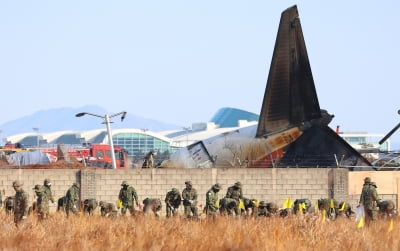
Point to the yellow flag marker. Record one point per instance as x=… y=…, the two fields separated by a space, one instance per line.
x=332 y=204
x=316 y=208
x=288 y=203
x=256 y=203
x=323 y=215
x=361 y=222
x=390 y=226
x=302 y=207
x=343 y=205
x=241 y=204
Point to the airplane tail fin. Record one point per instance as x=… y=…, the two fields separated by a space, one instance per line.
x=290 y=97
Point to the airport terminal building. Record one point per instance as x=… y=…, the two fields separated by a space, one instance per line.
x=138 y=142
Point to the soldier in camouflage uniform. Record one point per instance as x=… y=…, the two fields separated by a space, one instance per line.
x=189 y=196
x=20 y=202
x=49 y=196
x=250 y=207
x=173 y=201
x=262 y=209
x=368 y=198
x=89 y=206
x=272 y=208
x=235 y=192
x=127 y=195
x=211 y=200
x=152 y=205
x=9 y=204
x=302 y=206
x=71 y=199
x=107 y=209
x=42 y=205
x=387 y=209
x=227 y=206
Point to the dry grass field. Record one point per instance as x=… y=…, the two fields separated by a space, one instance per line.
x=147 y=233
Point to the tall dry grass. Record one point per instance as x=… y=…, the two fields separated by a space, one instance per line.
x=145 y=233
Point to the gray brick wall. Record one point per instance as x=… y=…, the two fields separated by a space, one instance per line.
x=275 y=184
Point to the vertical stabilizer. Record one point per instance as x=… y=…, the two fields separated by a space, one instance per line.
x=290 y=98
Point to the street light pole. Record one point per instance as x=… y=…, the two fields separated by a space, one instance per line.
x=110 y=142
x=107 y=121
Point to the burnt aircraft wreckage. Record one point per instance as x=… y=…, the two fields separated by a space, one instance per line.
x=292 y=129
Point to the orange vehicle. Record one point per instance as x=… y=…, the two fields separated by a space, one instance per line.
x=100 y=156
x=95 y=155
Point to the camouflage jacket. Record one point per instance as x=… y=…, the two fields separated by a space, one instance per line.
x=49 y=195
x=21 y=203
x=72 y=196
x=234 y=193
x=128 y=196
x=189 y=195
x=263 y=211
x=107 y=208
x=41 y=197
x=368 y=197
x=173 y=199
x=211 y=200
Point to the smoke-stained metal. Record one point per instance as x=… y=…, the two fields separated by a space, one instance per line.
x=290 y=98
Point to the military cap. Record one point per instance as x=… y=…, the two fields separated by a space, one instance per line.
x=238 y=184
x=17 y=183
x=124 y=183
x=47 y=182
x=262 y=204
x=76 y=184
x=217 y=186
x=37 y=187
x=174 y=190
x=374 y=184
x=188 y=182
x=367 y=180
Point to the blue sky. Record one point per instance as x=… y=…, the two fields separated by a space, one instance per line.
x=180 y=61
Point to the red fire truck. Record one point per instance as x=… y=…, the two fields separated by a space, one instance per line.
x=95 y=155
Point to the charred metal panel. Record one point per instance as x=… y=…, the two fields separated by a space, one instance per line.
x=290 y=97
x=320 y=146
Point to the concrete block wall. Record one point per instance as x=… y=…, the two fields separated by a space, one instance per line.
x=61 y=180
x=339 y=184
x=273 y=185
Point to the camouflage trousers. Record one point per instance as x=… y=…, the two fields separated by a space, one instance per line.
x=43 y=210
x=171 y=211
x=189 y=210
x=70 y=207
x=370 y=215
x=210 y=211
x=131 y=209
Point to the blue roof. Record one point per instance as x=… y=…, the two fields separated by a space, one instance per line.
x=229 y=117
